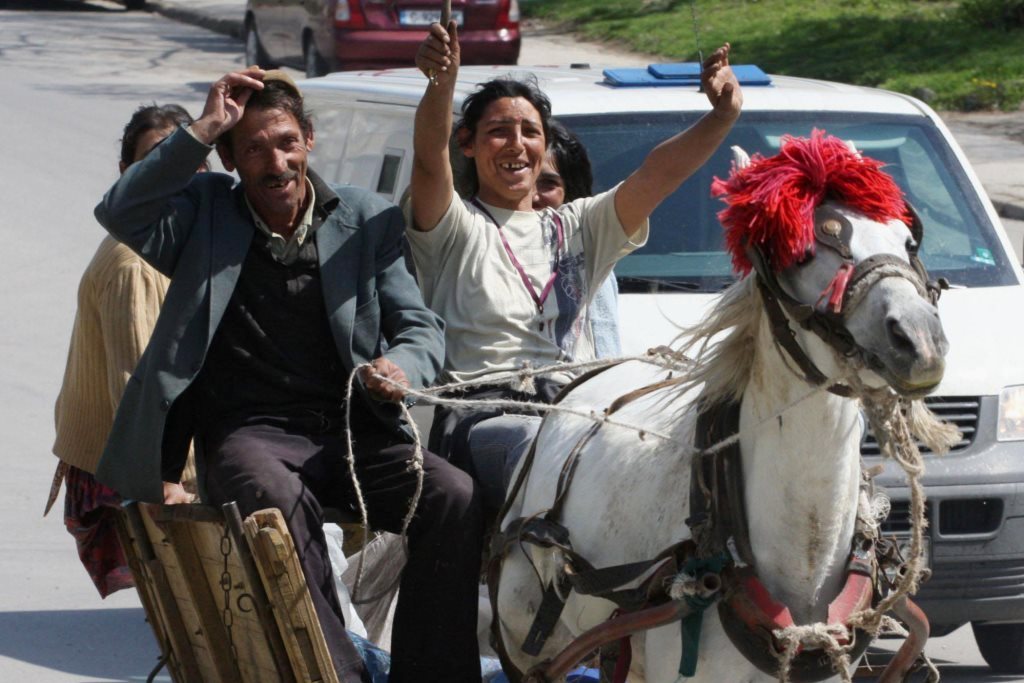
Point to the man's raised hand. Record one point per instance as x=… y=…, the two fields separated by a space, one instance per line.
x=225 y=103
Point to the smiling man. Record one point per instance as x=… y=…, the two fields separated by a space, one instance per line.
x=281 y=287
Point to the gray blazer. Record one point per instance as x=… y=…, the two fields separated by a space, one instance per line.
x=195 y=229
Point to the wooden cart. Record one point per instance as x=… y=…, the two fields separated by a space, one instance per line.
x=226 y=598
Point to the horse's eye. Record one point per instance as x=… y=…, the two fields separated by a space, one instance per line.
x=911 y=245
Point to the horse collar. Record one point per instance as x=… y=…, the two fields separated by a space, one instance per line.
x=718 y=523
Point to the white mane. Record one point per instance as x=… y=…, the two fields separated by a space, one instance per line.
x=723 y=364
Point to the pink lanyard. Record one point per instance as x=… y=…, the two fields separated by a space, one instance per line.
x=538 y=299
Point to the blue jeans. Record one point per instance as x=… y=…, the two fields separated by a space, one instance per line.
x=496 y=445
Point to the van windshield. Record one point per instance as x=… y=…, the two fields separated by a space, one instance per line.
x=686 y=246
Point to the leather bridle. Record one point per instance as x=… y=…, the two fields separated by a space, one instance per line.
x=846 y=291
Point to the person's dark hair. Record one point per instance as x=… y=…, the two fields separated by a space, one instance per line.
x=572 y=161
x=146 y=118
x=473 y=110
x=276 y=95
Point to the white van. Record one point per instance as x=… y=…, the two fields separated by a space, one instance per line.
x=364 y=123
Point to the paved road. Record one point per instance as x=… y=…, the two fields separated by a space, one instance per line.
x=72 y=76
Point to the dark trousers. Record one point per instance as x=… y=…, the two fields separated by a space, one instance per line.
x=299 y=465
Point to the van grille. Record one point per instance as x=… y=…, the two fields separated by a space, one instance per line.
x=960 y=411
x=898 y=521
x=970 y=516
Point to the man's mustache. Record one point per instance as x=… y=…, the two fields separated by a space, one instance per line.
x=282 y=178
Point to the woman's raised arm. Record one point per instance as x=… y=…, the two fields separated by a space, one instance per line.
x=432 y=182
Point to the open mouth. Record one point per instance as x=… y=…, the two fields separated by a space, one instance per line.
x=515 y=167
x=279 y=183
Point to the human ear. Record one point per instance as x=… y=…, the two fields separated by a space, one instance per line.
x=465 y=142
x=225 y=157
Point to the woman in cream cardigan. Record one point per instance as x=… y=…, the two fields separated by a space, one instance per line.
x=119 y=299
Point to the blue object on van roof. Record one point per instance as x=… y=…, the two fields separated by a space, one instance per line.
x=687 y=70
x=677 y=74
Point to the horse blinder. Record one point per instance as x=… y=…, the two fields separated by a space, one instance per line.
x=834 y=231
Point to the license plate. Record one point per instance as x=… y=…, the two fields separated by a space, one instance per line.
x=425 y=17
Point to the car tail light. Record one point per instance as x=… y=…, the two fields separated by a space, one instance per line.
x=508 y=14
x=348 y=14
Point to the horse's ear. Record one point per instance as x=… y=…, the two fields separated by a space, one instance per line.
x=739 y=157
x=853 y=148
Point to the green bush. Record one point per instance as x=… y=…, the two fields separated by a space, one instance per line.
x=998 y=14
x=959 y=54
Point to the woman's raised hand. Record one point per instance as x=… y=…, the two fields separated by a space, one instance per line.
x=721 y=86
x=438 y=56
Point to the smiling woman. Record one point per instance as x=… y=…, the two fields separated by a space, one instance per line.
x=512 y=283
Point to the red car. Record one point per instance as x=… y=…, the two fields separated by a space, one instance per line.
x=335 y=35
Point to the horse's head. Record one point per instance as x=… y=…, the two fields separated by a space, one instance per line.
x=834 y=245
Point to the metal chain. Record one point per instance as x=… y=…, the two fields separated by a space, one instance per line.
x=225 y=583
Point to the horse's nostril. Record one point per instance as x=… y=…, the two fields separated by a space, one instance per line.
x=898 y=337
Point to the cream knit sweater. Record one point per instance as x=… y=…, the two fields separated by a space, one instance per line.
x=119 y=299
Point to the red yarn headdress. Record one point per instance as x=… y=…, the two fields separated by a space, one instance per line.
x=771 y=202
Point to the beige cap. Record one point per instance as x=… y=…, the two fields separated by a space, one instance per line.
x=282 y=77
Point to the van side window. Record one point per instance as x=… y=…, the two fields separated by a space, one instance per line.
x=388 y=178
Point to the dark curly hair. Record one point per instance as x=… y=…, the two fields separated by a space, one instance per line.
x=572 y=161
x=146 y=118
x=276 y=95
x=467 y=182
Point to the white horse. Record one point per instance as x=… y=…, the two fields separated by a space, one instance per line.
x=628 y=499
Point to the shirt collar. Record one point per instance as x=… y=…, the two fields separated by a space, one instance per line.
x=286 y=249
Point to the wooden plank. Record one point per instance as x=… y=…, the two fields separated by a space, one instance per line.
x=278 y=565
x=197 y=641
x=261 y=602
x=145 y=587
x=254 y=655
x=182 y=662
x=207 y=603
x=186 y=513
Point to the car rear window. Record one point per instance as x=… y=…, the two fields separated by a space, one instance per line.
x=685 y=250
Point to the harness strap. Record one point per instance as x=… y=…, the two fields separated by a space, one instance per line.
x=605 y=582
x=581 y=379
x=567 y=473
x=785 y=337
x=628 y=398
x=717 y=511
x=608 y=631
x=500 y=542
x=550 y=610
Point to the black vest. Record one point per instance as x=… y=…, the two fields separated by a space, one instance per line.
x=273 y=353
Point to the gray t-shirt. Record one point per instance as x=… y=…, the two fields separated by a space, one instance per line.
x=493 y=322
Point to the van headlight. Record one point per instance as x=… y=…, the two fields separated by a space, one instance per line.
x=1011 y=414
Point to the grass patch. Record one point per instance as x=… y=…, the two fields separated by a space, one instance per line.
x=932 y=49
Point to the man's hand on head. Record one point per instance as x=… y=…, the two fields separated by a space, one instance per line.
x=225 y=103
x=382 y=390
